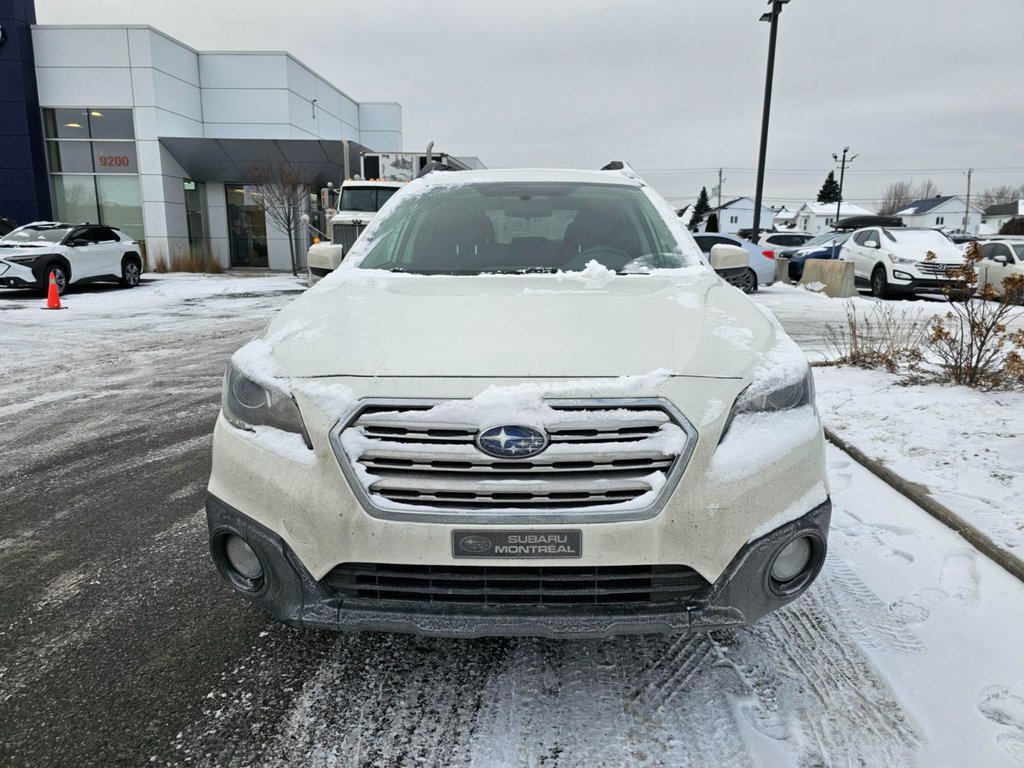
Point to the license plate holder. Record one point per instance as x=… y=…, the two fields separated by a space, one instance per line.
x=517 y=545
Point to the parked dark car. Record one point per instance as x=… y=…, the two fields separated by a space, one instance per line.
x=826 y=246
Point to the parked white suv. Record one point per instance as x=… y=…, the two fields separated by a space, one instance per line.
x=74 y=253
x=523 y=405
x=895 y=261
x=1003 y=258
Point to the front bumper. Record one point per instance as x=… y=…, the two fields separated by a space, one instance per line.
x=17 y=276
x=740 y=596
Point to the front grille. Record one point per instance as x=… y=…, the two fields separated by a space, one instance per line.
x=935 y=269
x=345 y=235
x=598 y=456
x=487 y=585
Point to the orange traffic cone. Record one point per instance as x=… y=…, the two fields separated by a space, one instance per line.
x=52 y=294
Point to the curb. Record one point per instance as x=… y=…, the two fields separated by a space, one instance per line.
x=920 y=496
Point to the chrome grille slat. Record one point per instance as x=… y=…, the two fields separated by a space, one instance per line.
x=416 y=460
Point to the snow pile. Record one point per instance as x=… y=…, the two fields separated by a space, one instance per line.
x=594 y=273
x=815 y=287
x=756 y=440
x=525 y=403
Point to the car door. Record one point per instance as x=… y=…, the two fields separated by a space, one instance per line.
x=83 y=253
x=999 y=262
x=863 y=251
x=108 y=252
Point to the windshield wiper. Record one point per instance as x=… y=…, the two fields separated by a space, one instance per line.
x=524 y=271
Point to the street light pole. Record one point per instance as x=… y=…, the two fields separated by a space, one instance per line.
x=773 y=17
x=842 y=178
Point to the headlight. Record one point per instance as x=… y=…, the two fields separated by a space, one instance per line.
x=781 y=399
x=900 y=259
x=247 y=404
x=24 y=259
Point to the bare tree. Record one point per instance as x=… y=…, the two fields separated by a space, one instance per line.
x=283 y=196
x=926 y=189
x=1005 y=193
x=896 y=197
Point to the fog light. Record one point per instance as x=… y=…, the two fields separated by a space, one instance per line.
x=242 y=558
x=792 y=560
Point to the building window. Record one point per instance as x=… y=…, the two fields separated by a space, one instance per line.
x=940 y=220
x=94 y=167
x=734 y=219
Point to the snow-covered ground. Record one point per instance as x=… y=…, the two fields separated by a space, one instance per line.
x=905 y=652
x=965 y=446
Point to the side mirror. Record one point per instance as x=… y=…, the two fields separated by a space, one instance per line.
x=728 y=257
x=871 y=243
x=1001 y=259
x=79 y=241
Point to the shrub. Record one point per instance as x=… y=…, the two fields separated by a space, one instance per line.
x=881 y=337
x=195 y=259
x=972 y=342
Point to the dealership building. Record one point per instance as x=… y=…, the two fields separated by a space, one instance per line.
x=125 y=126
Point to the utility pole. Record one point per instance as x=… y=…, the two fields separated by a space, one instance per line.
x=842 y=177
x=773 y=17
x=719 y=188
x=967 y=210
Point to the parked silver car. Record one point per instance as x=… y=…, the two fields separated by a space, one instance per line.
x=762 y=269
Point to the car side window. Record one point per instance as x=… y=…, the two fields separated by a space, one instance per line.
x=866 y=238
x=988 y=251
x=104 y=235
x=82 y=235
x=1002 y=249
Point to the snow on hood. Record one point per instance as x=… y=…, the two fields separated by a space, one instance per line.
x=570 y=325
x=10 y=248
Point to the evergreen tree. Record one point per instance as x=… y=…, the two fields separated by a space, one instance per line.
x=703 y=206
x=712 y=223
x=829 y=192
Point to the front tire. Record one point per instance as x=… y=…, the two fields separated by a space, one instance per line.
x=60 y=275
x=880 y=283
x=748 y=283
x=131 y=273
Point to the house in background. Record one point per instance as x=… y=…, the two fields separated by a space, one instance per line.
x=945 y=212
x=818 y=218
x=996 y=216
x=738 y=214
x=784 y=219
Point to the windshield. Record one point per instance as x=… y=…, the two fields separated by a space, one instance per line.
x=829 y=238
x=919 y=238
x=369 y=199
x=34 y=235
x=507 y=227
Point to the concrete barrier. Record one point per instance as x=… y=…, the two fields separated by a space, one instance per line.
x=782 y=270
x=836 y=277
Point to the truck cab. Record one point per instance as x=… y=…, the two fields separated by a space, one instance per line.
x=358 y=203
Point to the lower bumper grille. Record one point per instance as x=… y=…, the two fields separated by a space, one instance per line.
x=513 y=585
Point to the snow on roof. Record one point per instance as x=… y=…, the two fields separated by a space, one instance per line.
x=829 y=209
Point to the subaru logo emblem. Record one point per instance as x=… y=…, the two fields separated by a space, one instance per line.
x=511 y=442
x=474 y=545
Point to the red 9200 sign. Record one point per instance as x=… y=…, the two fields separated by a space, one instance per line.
x=114 y=161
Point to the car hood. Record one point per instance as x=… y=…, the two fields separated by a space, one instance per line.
x=358 y=323
x=25 y=248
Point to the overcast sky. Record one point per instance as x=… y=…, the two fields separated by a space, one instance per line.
x=918 y=88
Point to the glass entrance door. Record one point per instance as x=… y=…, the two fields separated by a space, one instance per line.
x=247 y=227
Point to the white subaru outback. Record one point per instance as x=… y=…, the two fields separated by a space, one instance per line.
x=73 y=253
x=524 y=405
